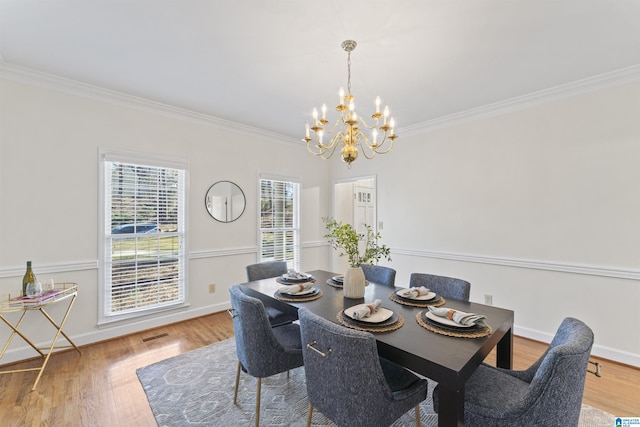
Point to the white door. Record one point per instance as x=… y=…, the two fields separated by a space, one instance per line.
x=355 y=204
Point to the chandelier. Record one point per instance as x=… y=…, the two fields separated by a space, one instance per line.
x=346 y=132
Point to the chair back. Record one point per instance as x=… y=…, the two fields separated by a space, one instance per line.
x=379 y=274
x=557 y=385
x=260 y=351
x=265 y=270
x=448 y=287
x=345 y=380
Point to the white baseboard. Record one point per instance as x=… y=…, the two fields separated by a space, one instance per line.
x=608 y=353
x=115 y=331
x=22 y=353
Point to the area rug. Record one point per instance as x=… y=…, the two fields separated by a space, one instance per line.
x=196 y=389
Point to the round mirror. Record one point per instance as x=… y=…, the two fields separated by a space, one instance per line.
x=225 y=201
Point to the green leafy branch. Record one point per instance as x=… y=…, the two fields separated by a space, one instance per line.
x=345 y=239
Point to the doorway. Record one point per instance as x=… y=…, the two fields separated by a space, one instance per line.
x=354 y=202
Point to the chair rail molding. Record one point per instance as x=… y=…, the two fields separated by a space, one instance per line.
x=590 y=270
x=248 y=250
x=214 y=253
x=50 y=268
x=14 y=271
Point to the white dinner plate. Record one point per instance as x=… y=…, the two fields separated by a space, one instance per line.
x=379 y=316
x=338 y=279
x=305 y=292
x=445 y=320
x=288 y=278
x=427 y=297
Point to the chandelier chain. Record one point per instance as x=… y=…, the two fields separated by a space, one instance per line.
x=349 y=72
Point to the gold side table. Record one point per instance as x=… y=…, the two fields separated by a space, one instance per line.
x=66 y=292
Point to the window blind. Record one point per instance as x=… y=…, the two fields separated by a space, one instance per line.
x=144 y=250
x=279 y=222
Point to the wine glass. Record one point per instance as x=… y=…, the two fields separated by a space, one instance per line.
x=34 y=289
x=48 y=284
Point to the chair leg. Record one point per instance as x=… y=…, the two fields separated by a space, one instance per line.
x=309 y=413
x=235 y=393
x=258 y=402
x=418 y=422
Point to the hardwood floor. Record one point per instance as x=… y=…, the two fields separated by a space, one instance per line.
x=100 y=387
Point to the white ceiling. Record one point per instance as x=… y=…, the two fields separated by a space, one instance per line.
x=266 y=64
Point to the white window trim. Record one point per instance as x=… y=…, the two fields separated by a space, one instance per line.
x=275 y=177
x=106 y=154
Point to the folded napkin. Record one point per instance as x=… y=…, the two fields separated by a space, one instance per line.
x=366 y=310
x=415 y=292
x=292 y=274
x=295 y=288
x=460 y=317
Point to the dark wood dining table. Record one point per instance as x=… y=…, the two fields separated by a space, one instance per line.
x=448 y=360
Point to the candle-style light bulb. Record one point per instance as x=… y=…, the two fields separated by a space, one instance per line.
x=306 y=129
x=352 y=112
x=324 y=111
x=320 y=137
x=392 y=123
x=315 y=116
x=386 y=114
x=377 y=104
x=341 y=93
x=375 y=137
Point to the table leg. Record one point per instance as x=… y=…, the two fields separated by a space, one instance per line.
x=15 y=330
x=55 y=339
x=450 y=407
x=504 y=351
x=59 y=327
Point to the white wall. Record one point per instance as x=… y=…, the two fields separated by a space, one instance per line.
x=49 y=198
x=539 y=207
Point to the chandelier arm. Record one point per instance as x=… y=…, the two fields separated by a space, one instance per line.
x=319 y=150
x=332 y=145
x=339 y=120
x=381 y=148
x=367 y=126
x=365 y=149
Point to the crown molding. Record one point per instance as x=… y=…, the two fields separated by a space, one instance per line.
x=589 y=84
x=73 y=87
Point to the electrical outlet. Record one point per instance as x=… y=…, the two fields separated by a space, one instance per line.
x=212 y=288
x=488 y=299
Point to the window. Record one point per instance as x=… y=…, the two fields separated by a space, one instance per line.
x=279 y=238
x=144 y=235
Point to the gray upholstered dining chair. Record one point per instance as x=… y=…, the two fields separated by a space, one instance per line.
x=448 y=287
x=348 y=382
x=277 y=313
x=548 y=393
x=379 y=274
x=262 y=350
x=265 y=270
